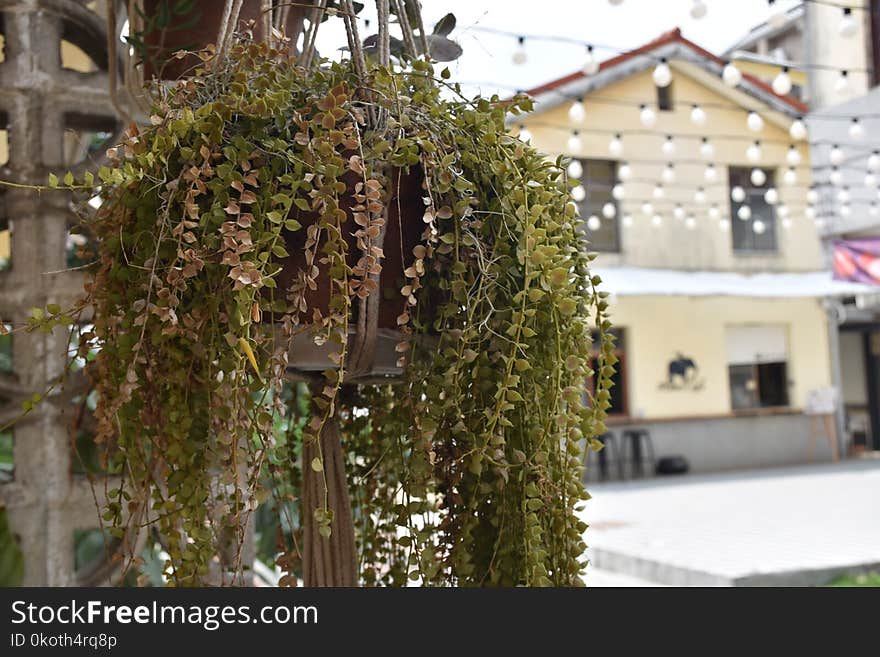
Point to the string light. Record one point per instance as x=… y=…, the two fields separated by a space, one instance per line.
x=870 y=180
x=810 y=212
x=710 y=174
x=724 y=224
x=698 y=9
x=759 y=227
x=842 y=84
x=786 y=223
x=714 y=212
x=647 y=116
x=836 y=155
x=591 y=64
x=700 y=196
x=624 y=171
x=731 y=75
x=658 y=192
x=843 y=195
x=753 y=152
x=519 y=55
x=627 y=220
x=755 y=122
x=657 y=220
x=594 y=223
x=618 y=192
x=812 y=196
x=707 y=150
x=758 y=177
x=615 y=146
x=678 y=212
x=793 y=157
x=647 y=208
x=578 y=193
x=575 y=169
x=836 y=176
x=782 y=82
x=847 y=26
x=698 y=116
x=609 y=210
x=782 y=210
x=856 y=131
x=524 y=134
x=874 y=162
x=790 y=177
x=744 y=212
x=690 y=222
x=662 y=75
x=797 y=130
x=771 y=196
x=574 y=142
x=668 y=173
x=576 y=112
x=845 y=210
x=669 y=146
x=738 y=194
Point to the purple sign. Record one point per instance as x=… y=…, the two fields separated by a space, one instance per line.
x=857 y=260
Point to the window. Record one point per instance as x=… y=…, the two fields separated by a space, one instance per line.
x=664 y=98
x=598 y=178
x=619 y=402
x=756 y=233
x=757 y=366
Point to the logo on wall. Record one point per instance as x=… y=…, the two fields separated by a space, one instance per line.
x=682 y=373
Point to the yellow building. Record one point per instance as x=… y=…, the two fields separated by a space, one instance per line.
x=695 y=194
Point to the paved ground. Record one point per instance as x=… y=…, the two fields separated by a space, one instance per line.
x=791 y=526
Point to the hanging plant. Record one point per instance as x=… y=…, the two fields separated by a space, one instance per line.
x=268 y=204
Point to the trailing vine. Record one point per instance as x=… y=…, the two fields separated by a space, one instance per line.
x=253 y=210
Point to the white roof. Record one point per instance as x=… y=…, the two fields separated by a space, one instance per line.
x=642 y=281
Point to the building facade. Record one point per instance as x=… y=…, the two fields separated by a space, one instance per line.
x=693 y=195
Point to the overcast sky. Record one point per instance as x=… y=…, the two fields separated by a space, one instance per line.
x=487 y=58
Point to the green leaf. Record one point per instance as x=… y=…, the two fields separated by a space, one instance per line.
x=53 y=180
x=68 y=179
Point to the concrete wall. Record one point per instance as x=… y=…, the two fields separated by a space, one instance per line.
x=672 y=245
x=658 y=327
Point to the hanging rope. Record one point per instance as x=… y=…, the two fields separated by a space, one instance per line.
x=423 y=36
x=408 y=41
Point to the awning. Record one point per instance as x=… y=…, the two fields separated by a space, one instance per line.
x=636 y=281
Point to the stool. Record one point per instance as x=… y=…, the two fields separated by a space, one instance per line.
x=634 y=441
x=610 y=442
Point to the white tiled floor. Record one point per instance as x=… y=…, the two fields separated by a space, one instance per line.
x=744 y=523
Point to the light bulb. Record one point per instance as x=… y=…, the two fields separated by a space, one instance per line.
x=820 y=223
x=753 y=152
x=609 y=210
x=698 y=9
x=578 y=193
x=668 y=174
x=738 y=194
x=714 y=212
x=656 y=220
x=842 y=84
x=575 y=169
x=710 y=174
x=836 y=155
x=771 y=196
x=790 y=177
x=873 y=209
x=797 y=130
x=615 y=146
x=856 y=131
x=758 y=177
x=836 y=176
x=847 y=26
x=690 y=222
x=755 y=122
x=618 y=192
x=647 y=116
x=576 y=111
x=786 y=223
x=724 y=224
x=870 y=180
x=678 y=212
x=793 y=157
x=845 y=210
x=524 y=134
x=782 y=82
x=700 y=195
x=744 y=212
x=698 y=116
x=759 y=227
x=707 y=150
x=843 y=195
x=810 y=212
x=574 y=142
x=782 y=210
x=647 y=208
x=669 y=146
x=658 y=192
x=812 y=196
x=627 y=220
x=731 y=75
x=591 y=64
x=662 y=74
x=519 y=55
x=594 y=223
x=874 y=162
x=624 y=172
